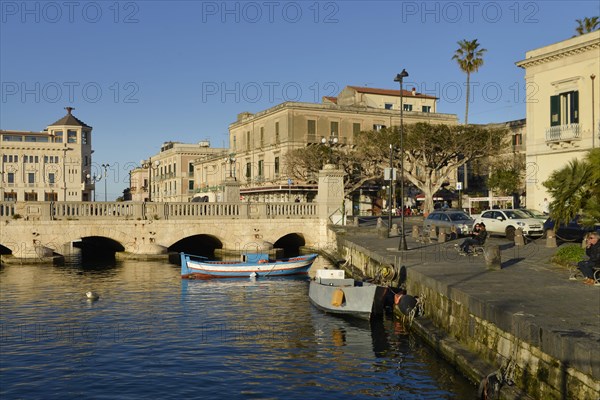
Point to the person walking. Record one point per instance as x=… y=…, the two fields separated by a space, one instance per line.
x=592 y=250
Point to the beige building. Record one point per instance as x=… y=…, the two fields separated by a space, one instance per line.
x=562 y=107
x=169 y=175
x=259 y=142
x=52 y=165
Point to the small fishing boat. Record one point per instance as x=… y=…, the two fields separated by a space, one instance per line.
x=331 y=292
x=254 y=265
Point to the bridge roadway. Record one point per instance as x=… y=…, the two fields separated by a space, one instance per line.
x=34 y=230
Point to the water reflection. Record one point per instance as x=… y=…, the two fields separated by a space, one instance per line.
x=153 y=335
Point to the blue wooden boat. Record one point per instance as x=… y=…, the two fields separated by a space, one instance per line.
x=251 y=265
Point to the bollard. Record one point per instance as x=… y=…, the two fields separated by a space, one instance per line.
x=550 y=239
x=379 y=222
x=492 y=257
x=519 y=240
x=432 y=233
x=394 y=231
x=355 y=221
x=416 y=232
x=442 y=236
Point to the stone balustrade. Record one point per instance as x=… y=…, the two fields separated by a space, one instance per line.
x=81 y=210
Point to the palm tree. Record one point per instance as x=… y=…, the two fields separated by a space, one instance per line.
x=586 y=25
x=468 y=56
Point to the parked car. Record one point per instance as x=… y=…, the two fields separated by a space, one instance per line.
x=448 y=219
x=540 y=216
x=507 y=221
x=572 y=231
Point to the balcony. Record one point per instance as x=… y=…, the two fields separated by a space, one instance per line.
x=563 y=133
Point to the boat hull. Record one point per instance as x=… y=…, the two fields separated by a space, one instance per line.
x=196 y=268
x=356 y=299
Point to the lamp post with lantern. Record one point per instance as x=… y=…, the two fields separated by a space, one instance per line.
x=399 y=78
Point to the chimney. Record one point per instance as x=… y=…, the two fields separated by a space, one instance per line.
x=414 y=91
x=69 y=109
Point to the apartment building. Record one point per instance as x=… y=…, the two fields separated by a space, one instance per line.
x=259 y=141
x=52 y=165
x=169 y=175
x=562 y=107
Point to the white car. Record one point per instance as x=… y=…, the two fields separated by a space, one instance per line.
x=506 y=222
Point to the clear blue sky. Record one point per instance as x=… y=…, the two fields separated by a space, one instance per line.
x=145 y=72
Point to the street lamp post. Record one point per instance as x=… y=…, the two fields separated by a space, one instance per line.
x=231 y=161
x=151 y=166
x=105 y=166
x=94 y=178
x=330 y=143
x=402 y=245
x=592 y=77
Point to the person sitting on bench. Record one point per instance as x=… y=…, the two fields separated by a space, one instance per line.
x=477 y=238
x=592 y=250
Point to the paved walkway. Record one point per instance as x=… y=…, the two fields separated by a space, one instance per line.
x=530 y=297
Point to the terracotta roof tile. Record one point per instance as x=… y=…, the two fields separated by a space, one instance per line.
x=390 y=92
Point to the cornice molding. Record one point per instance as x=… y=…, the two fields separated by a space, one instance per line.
x=566 y=52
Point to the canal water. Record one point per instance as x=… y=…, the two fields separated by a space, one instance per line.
x=151 y=335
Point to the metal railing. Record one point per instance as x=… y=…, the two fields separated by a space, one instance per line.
x=563 y=133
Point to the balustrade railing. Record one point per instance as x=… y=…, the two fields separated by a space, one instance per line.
x=563 y=133
x=81 y=210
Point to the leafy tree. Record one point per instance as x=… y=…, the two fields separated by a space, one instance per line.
x=432 y=154
x=506 y=175
x=469 y=59
x=586 y=25
x=575 y=189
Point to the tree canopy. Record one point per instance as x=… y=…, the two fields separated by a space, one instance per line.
x=575 y=189
x=432 y=153
x=469 y=57
x=586 y=25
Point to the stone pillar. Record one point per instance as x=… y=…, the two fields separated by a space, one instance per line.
x=432 y=233
x=550 y=239
x=416 y=232
x=519 y=240
x=331 y=194
x=492 y=257
x=442 y=237
x=231 y=190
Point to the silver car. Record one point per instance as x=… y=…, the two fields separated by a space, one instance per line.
x=447 y=219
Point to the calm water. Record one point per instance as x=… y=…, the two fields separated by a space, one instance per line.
x=152 y=335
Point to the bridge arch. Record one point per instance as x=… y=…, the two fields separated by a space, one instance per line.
x=198 y=244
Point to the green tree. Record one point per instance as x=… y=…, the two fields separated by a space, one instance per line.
x=469 y=59
x=575 y=189
x=586 y=25
x=432 y=154
x=506 y=175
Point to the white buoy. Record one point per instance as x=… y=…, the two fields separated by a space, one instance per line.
x=253 y=275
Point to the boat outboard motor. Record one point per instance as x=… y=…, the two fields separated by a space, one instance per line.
x=406 y=303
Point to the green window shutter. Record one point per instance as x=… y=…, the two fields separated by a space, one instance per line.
x=555 y=110
x=574 y=107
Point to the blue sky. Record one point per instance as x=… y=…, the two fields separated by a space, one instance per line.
x=145 y=72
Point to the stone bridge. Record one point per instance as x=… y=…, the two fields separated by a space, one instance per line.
x=35 y=230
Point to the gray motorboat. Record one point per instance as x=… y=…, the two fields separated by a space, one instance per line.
x=331 y=292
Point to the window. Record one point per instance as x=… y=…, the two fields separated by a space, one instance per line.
x=276 y=132
x=261 y=167
x=248 y=140
x=335 y=128
x=564 y=108
x=191 y=168
x=356 y=128
x=25 y=158
x=426 y=109
x=71 y=136
x=31 y=177
x=84 y=137
x=58 y=136
x=51 y=178
x=407 y=107
x=10 y=196
x=388 y=106
x=234 y=144
x=378 y=127
x=311 y=129
x=248 y=170
x=517 y=139
x=31 y=196
x=190 y=185
x=50 y=196
x=276 y=166
x=10 y=177
x=262 y=136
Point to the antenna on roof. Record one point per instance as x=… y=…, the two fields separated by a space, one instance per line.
x=69 y=109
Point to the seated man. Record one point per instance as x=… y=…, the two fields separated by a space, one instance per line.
x=477 y=238
x=592 y=250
